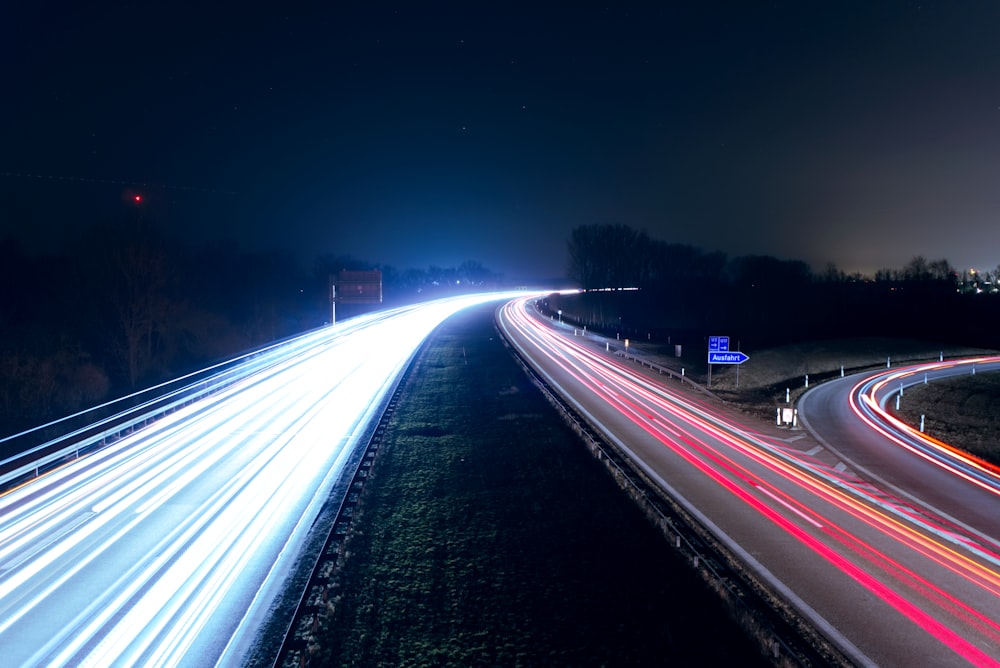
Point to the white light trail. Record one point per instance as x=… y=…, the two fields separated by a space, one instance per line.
x=159 y=549
x=868 y=401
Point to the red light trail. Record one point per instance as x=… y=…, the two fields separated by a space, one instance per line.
x=940 y=579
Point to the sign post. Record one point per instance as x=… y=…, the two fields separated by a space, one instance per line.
x=719 y=353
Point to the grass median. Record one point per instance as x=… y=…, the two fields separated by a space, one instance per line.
x=963 y=411
x=488 y=535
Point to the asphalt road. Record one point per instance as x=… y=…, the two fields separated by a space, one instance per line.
x=167 y=547
x=154 y=551
x=886 y=583
x=896 y=458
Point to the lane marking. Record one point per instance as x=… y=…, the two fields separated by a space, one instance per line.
x=37 y=547
x=791 y=508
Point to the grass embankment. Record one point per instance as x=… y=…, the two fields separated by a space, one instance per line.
x=489 y=536
x=760 y=384
x=962 y=411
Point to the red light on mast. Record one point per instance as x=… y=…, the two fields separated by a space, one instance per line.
x=137 y=198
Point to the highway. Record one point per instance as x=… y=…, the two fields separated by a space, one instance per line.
x=849 y=416
x=166 y=547
x=887 y=580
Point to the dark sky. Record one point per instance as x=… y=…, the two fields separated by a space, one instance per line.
x=414 y=134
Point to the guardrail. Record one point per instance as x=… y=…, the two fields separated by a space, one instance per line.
x=785 y=636
x=662 y=370
x=51 y=445
x=313 y=607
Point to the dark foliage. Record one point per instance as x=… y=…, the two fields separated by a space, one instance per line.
x=685 y=294
x=129 y=307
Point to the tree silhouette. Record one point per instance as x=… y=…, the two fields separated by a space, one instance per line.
x=609 y=256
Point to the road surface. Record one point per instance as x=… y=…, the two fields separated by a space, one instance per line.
x=849 y=417
x=166 y=548
x=887 y=582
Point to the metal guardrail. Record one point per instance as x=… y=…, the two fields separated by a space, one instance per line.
x=97 y=434
x=313 y=605
x=51 y=445
x=776 y=626
x=663 y=371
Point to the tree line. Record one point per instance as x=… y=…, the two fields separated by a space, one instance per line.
x=684 y=290
x=618 y=256
x=129 y=307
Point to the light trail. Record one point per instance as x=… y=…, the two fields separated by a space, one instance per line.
x=869 y=398
x=166 y=547
x=937 y=584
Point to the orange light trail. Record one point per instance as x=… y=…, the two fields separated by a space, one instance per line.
x=714 y=445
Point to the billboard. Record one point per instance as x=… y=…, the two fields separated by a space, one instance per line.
x=358 y=287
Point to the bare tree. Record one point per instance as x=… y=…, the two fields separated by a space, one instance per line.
x=609 y=256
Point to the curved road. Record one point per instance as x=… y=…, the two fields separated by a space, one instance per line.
x=887 y=585
x=848 y=417
x=167 y=547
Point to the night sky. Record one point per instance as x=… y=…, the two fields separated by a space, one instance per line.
x=417 y=134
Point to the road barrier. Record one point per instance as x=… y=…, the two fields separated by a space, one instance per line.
x=56 y=443
x=782 y=633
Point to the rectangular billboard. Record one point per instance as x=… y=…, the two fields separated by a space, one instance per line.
x=359 y=287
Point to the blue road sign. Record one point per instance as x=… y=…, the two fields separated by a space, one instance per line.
x=716 y=357
x=718 y=344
